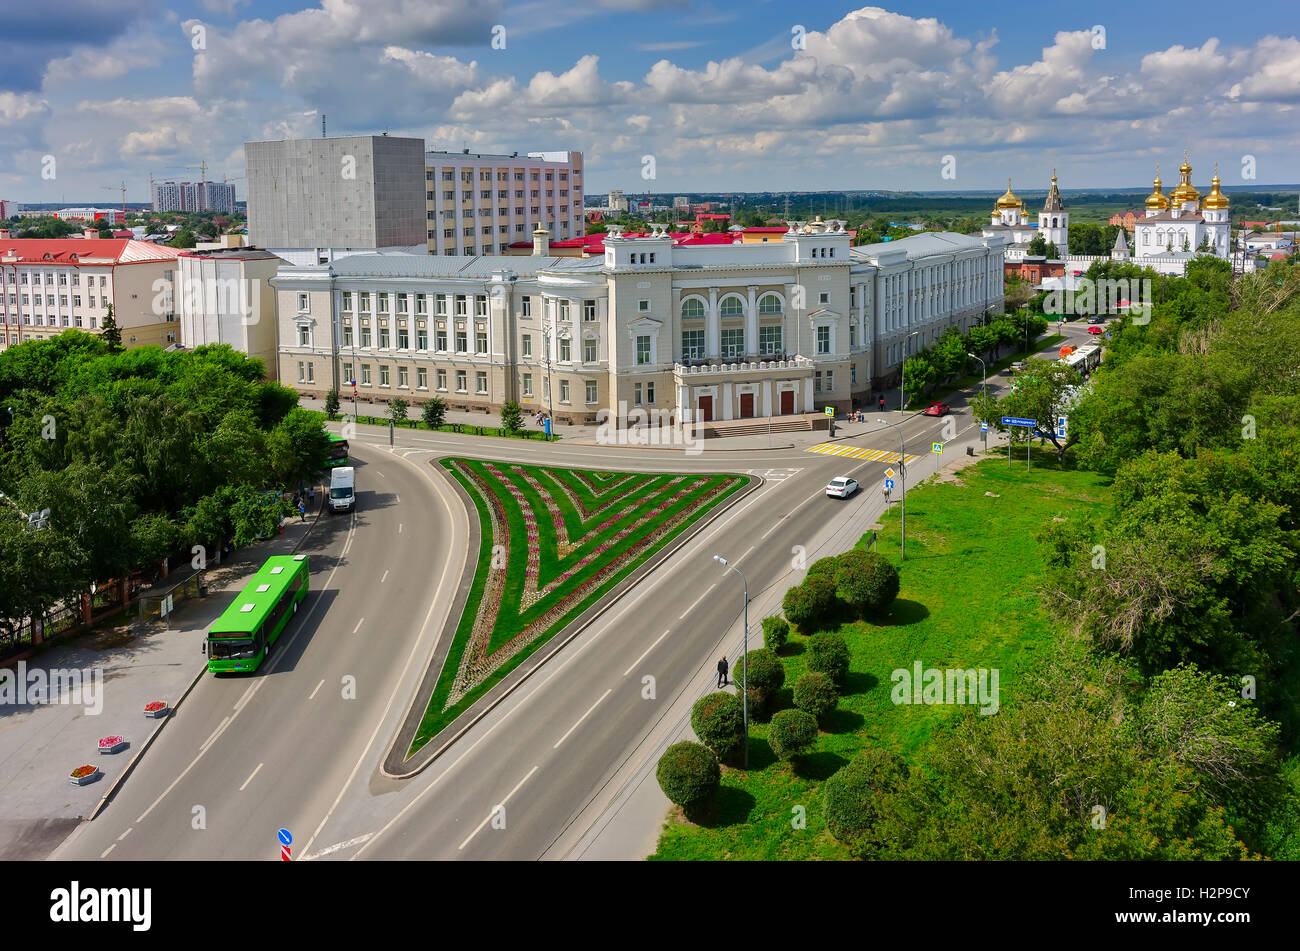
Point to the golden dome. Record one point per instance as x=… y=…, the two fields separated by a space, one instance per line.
x=1215 y=200
x=1157 y=199
x=1185 y=191
x=1009 y=199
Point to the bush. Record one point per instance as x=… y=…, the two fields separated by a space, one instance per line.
x=688 y=773
x=815 y=694
x=397 y=409
x=718 y=720
x=776 y=631
x=866 y=580
x=512 y=417
x=848 y=797
x=828 y=654
x=810 y=604
x=823 y=566
x=332 y=404
x=792 y=732
x=765 y=674
x=798 y=608
x=434 y=412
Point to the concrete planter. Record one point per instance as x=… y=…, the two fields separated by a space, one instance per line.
x=157 y=710
x=87 y=779
x=112 y=744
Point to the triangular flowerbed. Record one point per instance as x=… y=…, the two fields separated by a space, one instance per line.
x=552 y=542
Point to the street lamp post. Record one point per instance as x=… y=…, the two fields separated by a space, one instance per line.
x=550 y=384
x=902 y=370
x=902 y=493
x=984 y=389
x=744 y=660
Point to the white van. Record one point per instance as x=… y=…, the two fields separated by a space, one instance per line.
x=343 y=494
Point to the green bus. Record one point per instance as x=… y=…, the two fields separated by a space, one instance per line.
x=241 y=639
x=338 y=454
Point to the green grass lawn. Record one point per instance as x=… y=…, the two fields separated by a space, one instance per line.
x=968 y=599
x=566 y=537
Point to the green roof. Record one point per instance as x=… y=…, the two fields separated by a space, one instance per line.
x=252 y=605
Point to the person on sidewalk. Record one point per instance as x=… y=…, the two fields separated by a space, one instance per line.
x=302 y=510
x=722 y=671
x=882 y=404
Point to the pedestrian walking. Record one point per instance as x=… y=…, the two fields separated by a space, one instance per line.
x=722 y=671
x=302 y=510
x=882 y=404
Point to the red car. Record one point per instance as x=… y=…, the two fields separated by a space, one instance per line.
x=1094 y=330
x=937 y=409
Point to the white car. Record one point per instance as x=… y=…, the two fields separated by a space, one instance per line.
x=841 y=487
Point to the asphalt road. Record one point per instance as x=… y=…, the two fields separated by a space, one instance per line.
x=287 y=748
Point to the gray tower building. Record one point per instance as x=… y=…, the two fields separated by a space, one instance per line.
x=347 y=193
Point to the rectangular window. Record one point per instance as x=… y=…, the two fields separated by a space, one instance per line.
x=422 y=339
x=643 y=306
x=823 y=340
x=588 y=310
x=566 y=353
x=824 y=297
x=365 y=336
x=383 y=303
x=650 y=393
x=303 y=303
x=403 y=339
x=643 y=349
x=460 y=382
x=853 y=336
x=528 y=384
x=365 y=302
x=441 y=377
x=401 y=304
x=636 y=394
x=527 y=306
x=301 y=378
x=304 y=336
x=589 y=351
x=461 y=305
x=591 y=391
x=480 y=341
x=347 y=373
x=347 y=300
x=365 y=374
x=564 y=391
x=693 y=344
x=830 y=380
x=383 y=375
x=440 y=341
x=401 y=377
x=462 y=340
x=528 y=345
x=817 y=381
x=564 y=309
x=440 y=304
x=733 y=342
x=769 y=340
x=480 y=382
x=383 y=338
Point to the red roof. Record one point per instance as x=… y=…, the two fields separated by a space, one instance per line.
x=124 y=234
x=595 y=243
x=70 y=251
x=766 y=230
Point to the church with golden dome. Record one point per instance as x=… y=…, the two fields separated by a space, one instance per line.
x=1183 y=224
x=1010 y=220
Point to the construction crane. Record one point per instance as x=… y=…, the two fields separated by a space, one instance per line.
x=122 y=188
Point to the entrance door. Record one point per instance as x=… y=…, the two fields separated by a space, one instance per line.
x=706 y=409
x=787 y=402
x=746 y=405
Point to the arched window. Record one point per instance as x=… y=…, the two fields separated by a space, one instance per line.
x=732 y=307
x=769 y=304
x=692 y=307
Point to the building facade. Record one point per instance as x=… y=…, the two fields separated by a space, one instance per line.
x=479 y=204
x=224 y=296
x=1010 y=220
x=1179 y=226
x=192 y=196
x=48 y=286
x=313 y=199
x=711 y=332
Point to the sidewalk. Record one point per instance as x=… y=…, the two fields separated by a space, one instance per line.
x=627 y=828
x=41 y=743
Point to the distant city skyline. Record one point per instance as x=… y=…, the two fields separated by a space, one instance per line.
x=705 y=95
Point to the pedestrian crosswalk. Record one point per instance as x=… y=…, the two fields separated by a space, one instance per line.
x=845 y=451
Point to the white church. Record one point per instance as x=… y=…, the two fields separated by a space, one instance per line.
x=1010 y=219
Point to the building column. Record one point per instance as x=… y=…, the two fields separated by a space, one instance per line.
x=684 y=403
x=725 y=391
x=713 y=327
x=603 y=330
x=767 y=397
x=751 y=322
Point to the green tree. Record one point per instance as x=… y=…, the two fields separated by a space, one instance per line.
x=688 y=774
x=299 y=447
x=792 y=732
x=332 y=404
x=434 y=412
x=828 y=653
x=512 y=417
x=815 y=694
x=866 y=581
x=718 y=720
x=776 y=631
x=851 y=795
x=397 y=410
x=109 y=331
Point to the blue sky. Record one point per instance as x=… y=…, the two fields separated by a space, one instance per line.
x=941 y=96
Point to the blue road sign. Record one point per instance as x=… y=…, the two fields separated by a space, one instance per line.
x=984 y=427
x=1019 y=421
x=285 y=837
x=889 y=483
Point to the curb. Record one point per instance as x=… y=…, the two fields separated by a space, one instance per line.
x=126 y=771
x=535 y=661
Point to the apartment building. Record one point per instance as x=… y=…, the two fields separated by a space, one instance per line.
x=48 y=286
x=713 y=331
x=478 y=204
x=224 y=296
x=192 y=196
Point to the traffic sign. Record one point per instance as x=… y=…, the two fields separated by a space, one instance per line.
x=984 y=427
x=889 y=473
x=889 y=483
x=1062 y=426
x=936 y=447
x=1019 y=421
x=829 y=411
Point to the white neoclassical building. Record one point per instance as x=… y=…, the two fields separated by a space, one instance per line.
x=723 y=331
x=1179 y=226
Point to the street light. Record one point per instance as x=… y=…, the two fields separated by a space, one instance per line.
x=903 y=369
x=984 y=389
x=744 y=660
x=547 y=327
x=902 y=493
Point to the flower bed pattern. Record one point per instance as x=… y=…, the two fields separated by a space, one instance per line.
x=568 y=536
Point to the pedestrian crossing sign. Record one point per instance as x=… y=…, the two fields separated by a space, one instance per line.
x=829 y=411
x=936 y=447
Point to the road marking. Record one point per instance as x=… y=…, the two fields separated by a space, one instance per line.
x=251 y=775
x=358 y=627
x=125 y=834
x=397 y=496
x=846 y=451
x=775 y=526
x=104 y=854
x=500 y=804
x=385 y=577
x=697 y=601
x=317 y=690
x=581 y=718
x=220 y=726
x=747 y=551
x=380 y=474
x=647 y=651
x=399 y=528
x=336 y=847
